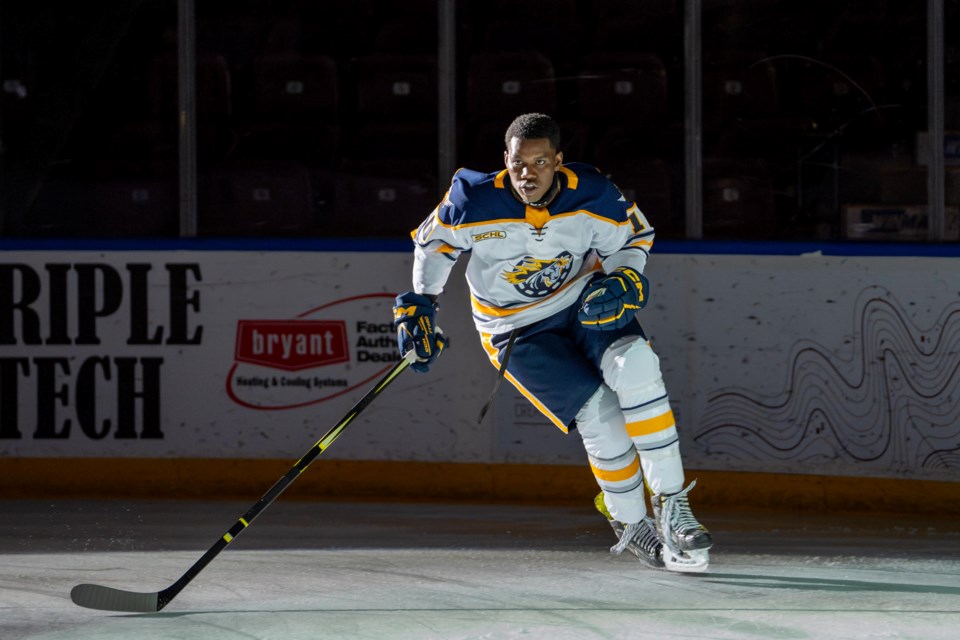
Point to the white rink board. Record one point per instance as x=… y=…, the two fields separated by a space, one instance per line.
x=807 y=364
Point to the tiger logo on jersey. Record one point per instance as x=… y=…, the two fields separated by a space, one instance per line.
x=536 y=278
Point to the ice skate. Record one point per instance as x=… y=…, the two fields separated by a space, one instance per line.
x=686 y=542
x=640 y=539
x=676 y=524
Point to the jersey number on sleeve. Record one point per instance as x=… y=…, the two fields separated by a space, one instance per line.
x=637 y=221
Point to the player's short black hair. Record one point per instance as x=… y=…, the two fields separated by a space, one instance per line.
x=530 y=126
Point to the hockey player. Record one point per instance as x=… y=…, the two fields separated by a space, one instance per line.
x=555 y=272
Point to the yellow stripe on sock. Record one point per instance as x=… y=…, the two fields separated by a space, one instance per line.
x=651 y=425
x=617 y=475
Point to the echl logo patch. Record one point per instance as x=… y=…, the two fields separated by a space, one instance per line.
x=490 y=235
x=538 y=278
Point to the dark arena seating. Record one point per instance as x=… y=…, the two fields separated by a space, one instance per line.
x=331 y=105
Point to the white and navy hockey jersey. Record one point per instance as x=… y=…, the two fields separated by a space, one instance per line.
x=528 y=263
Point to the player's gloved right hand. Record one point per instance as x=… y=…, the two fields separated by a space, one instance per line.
x=414 y=319
x=611 y=302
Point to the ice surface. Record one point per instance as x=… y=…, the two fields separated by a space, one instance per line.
x=451 y=571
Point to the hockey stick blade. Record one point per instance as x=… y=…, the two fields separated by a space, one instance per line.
x=95 y=596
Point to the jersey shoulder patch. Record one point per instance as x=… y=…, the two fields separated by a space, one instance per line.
x=595 y=193
x=589 y=181
x=473 y=198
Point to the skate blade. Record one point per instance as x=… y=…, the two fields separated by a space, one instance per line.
x=694 y=561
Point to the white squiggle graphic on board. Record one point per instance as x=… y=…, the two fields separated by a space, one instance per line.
x=892 y=403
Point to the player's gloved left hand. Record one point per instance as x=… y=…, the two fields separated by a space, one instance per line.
x=414 y=319
x=611 y=302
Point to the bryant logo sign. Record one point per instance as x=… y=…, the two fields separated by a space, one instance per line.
x=292 y=345
x=323 y=353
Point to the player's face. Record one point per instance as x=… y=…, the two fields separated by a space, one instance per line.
x=531 y=164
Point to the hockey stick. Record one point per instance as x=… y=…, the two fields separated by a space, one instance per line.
x=500 y=374
x=95 y=596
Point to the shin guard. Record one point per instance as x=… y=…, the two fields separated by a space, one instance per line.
x=612 y=456
x=632 y=369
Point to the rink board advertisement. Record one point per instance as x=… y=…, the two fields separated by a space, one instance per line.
x=187 y=354
x=797 y=364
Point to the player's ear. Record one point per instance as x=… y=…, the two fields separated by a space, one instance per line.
x=506 y=158
x=559 y=158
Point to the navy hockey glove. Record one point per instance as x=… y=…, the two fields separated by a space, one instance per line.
x=413 y=318
x=611 y=302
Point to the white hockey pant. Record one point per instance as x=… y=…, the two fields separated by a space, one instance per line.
x=629 y=432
